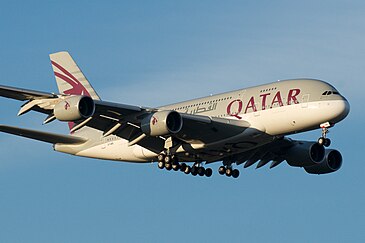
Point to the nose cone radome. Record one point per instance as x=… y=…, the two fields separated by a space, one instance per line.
x=342 y=109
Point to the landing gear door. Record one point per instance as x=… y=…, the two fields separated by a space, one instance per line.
x=305 y=100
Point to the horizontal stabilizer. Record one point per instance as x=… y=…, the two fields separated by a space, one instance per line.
x=42 y=136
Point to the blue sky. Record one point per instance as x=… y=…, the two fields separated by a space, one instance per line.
x=156 y=52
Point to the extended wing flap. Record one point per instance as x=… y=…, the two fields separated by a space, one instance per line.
x=42 y=136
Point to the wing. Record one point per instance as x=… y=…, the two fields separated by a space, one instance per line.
x=198 y=132
x=42 y=136
x=274 y=151
x=34 y=98
x=296 y=153
x=23 y=94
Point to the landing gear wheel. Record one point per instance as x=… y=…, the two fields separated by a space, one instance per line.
x=183 y=167
x=222 y=170
x=176 y=166
x=321 y=141
x=194 y=170
x=161 y=157
x=161 y=165
x=201 y=171
x=327 y=142
x=228 y=172
x=187 y=169
x=168 y=166
x=208 y=172
x=235 y=173
x=167 y=159
x=324 y=141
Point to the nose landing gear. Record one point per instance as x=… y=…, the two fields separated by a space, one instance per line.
x=325 y=129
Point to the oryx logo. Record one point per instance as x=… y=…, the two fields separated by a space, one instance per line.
x=67 y=105
x=77 y=87
x=154 y=120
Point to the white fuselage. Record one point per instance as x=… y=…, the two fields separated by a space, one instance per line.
x=276 y=109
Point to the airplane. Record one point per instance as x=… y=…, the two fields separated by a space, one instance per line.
x=244 y=126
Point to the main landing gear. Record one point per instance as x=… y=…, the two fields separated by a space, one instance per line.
x=228 y=171
x=324 y=140
x=171 y=163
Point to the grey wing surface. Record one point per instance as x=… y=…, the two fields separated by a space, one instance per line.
x=42 y=136
x=23 y=94
x=125 y=120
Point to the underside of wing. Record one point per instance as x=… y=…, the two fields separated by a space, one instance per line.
x=42 y=136
x=196 y=133
x=208 y=130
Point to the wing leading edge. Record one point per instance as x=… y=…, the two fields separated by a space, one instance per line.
x=23 y=94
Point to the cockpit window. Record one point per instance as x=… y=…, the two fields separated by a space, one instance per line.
x=328 y=92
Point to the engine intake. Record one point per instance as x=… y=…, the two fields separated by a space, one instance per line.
x=331 y=163
x=162 y=123
x=305 y=154
x=74 y=108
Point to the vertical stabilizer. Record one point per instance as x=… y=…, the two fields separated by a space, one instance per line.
x=70 y=79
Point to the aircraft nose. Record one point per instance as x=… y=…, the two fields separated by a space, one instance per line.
x=347 y=107
x=343 y=108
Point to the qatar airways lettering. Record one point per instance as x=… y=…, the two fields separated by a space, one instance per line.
x=235 y=107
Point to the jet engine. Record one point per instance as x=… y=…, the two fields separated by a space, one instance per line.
x=305 y=154
x=74 y=108
x=162 y=123
x=331 y=163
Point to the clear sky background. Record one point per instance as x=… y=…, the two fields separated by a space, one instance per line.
x=156 y=52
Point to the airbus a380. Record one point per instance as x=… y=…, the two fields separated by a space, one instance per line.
x=240 y=127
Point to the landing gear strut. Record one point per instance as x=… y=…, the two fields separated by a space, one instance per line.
x=324 y=140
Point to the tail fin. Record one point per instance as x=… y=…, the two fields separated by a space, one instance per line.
x=69 y=77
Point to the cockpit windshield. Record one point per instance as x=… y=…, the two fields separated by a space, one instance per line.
x=329 y=92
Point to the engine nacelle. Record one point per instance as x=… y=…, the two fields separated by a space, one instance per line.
x=162 y=123
x=74 y=108
x=331 y=163
x=305 y=154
